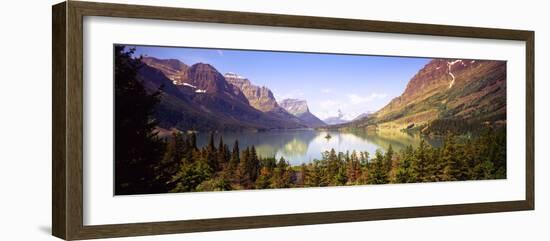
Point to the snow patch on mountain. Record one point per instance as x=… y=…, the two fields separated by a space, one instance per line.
x=450 y=65
x=189 y=85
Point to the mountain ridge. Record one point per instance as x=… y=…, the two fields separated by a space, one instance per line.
x=200 y=98
x=445 y=89
x=261 y=98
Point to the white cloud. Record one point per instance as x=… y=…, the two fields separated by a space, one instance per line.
x=326 y=90
x=328 y=108
x=351 y=105
x=357 y=99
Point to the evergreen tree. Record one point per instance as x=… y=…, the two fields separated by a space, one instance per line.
x=332 y=164
x=219 y=183
x=364 y=156
x=405 y=172
x=434 y=166
x=449 y=160
x=190 y=147
x=190 y=176
x=499 y=158
x=253 y=164
x=453 y=160
x=192 y=141
x=174 y=157
x=211 y=147
x=388 y=157
x=365 y=168
x=493 y=149
x=420 y=163
x=221 y=155
x=471 y=158
x=388 y=160
x=270 y=163
x=484 y=170
x=301 y=178
x=281 y=175
x=354 y=168
x=226 y=154
x=264 y=179
x=211 y=153
x=314 y=175
x=378 y=174
x=235 y=156
x=243 y=174
x=138 y=148
x=341 y=177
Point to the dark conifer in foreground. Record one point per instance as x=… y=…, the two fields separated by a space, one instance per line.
x=138 y=149
x=235 y=157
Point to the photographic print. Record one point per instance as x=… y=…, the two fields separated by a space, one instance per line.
x=202 y=119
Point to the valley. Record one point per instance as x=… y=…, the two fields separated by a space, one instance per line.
x=458 y=96
x=185 y=127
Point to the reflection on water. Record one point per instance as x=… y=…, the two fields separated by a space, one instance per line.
x=305 y=145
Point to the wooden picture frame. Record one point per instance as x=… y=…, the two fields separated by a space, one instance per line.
x=67 y=152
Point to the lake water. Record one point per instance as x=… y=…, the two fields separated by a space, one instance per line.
x=305 y=145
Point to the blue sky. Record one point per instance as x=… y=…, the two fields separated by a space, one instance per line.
x=354 y=84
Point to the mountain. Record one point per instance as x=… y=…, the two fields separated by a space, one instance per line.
x=363 y=115
x=171 y=68
x=198 y=97
x=451 y=91
x=335 y=120
x=261 y=98
x=300 y=109
x=176 y=106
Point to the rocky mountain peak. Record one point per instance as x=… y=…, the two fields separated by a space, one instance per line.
x=202 y=67
x=206 y=77
x=260 y=98
x=237 y=80
x=437 y=75
x=171 y=68
x=300 y=109
x=173 y=64
x=294 y=106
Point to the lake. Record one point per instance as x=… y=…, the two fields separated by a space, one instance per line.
x=304 y=145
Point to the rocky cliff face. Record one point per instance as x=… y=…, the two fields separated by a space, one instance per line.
x=260 y=98
x=300 y=109
x=470 y=90
x=263 y=99
x=295 y=106
x=205 y=77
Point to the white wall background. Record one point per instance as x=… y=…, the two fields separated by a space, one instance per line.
x=25 y=121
